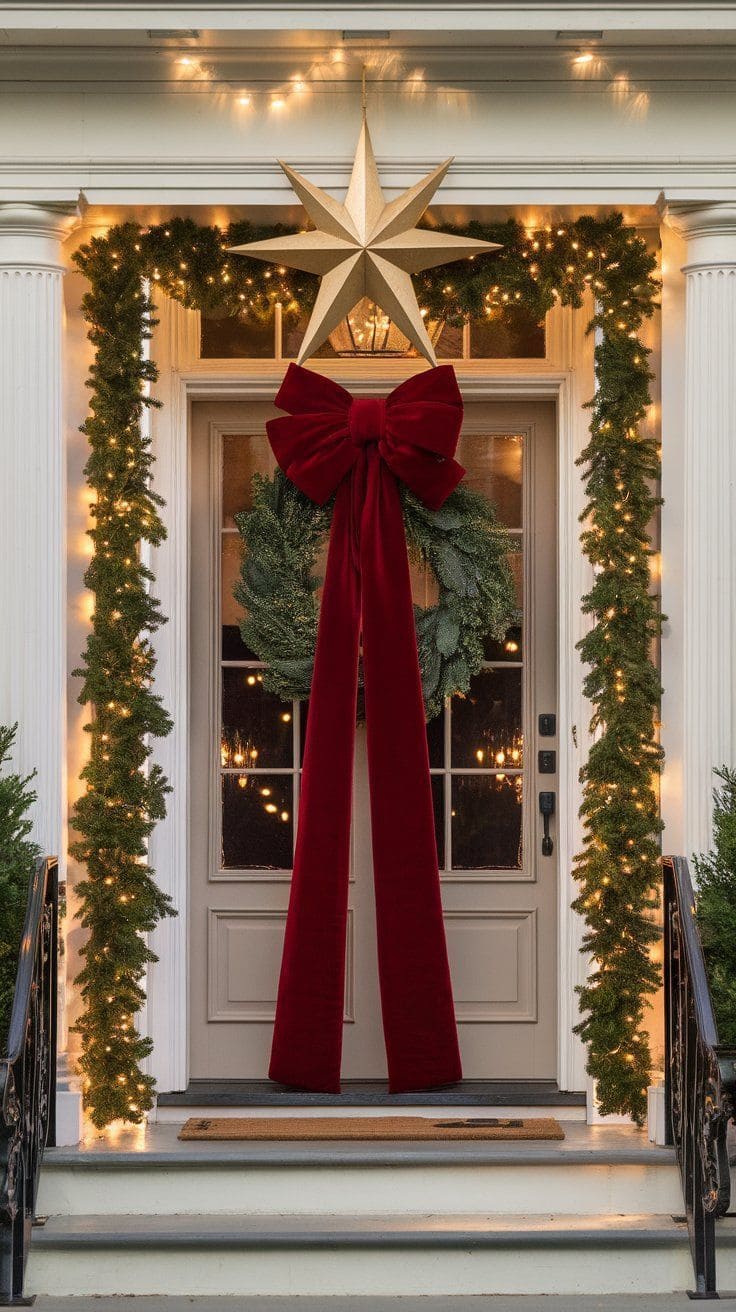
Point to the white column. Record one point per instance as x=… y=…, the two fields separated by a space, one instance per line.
x=32 y=505
x=708 y=508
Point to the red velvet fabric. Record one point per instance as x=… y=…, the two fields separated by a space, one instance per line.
x=359 y=448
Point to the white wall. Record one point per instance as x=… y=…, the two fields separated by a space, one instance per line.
x=527 y=127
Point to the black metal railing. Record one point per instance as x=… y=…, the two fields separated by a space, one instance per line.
x=28 y=1078
x=700 y=1077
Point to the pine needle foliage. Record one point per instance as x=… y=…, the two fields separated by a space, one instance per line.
x=119 y=900
x=617 y=870
x=282 y=533
x=715 y=900
x=467 y=550
x=18 y=856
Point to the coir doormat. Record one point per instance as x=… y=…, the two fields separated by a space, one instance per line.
x=279 y=1128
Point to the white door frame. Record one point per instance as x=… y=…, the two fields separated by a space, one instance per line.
x=566 y=375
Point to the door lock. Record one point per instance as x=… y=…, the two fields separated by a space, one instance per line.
x=546 y=809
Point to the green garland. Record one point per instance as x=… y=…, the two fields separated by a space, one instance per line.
x=463 y=544
x=617 y=870
x=119 y=899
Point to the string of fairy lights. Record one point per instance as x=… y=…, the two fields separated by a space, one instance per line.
x=617 y=870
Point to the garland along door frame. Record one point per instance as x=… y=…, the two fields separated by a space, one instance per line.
x=499 y=891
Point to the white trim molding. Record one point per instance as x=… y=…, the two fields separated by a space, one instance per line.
x=592 y=180
x=708 y=507
x=176 y=346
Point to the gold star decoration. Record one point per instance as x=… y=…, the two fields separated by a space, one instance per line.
x=366 y=246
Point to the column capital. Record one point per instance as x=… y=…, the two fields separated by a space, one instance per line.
x=708 y=228
x=31 y=236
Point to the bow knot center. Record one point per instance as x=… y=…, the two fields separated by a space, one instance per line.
x=367 y=420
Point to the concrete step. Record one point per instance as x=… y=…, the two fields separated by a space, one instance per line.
x=572 y=1177
x=360 y=1255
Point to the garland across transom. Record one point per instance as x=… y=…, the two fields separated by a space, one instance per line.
x=618 y=868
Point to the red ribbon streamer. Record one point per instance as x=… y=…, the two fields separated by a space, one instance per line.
x=329 y=442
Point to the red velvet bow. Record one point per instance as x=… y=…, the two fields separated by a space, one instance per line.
x=357 y=449
x=416 y=428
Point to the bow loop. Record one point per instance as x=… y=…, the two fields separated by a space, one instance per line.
x=416 y=429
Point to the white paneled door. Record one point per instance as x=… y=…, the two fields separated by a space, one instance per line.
x=499 y=889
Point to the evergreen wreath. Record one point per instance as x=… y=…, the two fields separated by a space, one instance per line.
x=462 y=543
x=618 y=870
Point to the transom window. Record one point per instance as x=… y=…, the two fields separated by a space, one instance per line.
x=510 y=332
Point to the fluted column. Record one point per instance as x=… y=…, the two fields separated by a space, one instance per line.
x=708 y=507
x=32 y=504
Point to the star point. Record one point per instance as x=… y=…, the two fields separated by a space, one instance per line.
x=365 y=246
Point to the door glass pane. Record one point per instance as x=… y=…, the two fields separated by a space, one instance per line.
x=486 y=723
x=259 y=750
x=257 y=821
x=242 y=457
x=507 y=650
x=486 y=822
x=438 y=801
x=484 y=728
x=493 y=466
x=436 y=740
x=231 y=555
x=256 y=726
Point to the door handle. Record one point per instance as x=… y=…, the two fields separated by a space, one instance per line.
x=546 y=809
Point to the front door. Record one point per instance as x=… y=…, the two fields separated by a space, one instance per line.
x=499 y=891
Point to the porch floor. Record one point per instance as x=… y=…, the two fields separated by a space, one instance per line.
x=159 y=1145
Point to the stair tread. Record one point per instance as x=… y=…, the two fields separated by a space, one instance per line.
x=321 y=1230
x=175 y=1154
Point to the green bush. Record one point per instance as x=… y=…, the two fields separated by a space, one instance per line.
x=716 y=907
x=17 y=857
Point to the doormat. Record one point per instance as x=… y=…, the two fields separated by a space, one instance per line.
x=278 y=1128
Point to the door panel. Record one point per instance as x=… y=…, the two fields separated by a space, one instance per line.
x=499 y=893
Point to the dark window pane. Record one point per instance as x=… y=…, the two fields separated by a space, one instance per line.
x=486 y=725
x=233 y=647
x=257 y=821
x=230 y=337
x=508 y=650
x=256 y=726
x=438 y=800
x=436 y=741
x=507 y=333
x=486 y=822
